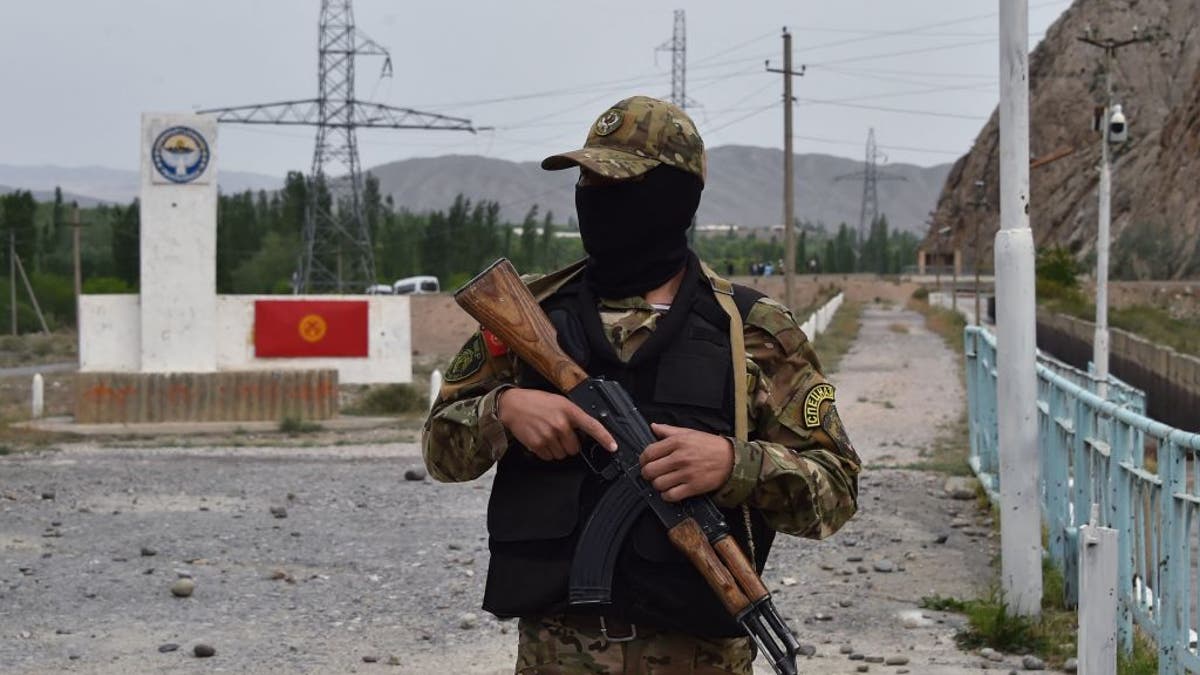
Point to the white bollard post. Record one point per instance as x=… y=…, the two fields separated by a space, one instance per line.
x=1097 y=598
x=435 y=385
x=39 y=396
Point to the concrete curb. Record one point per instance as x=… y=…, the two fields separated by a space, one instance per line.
x=67 y=425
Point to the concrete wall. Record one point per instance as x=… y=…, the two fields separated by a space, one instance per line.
x=1171 y=380
x=109 y=328
x=110 y=333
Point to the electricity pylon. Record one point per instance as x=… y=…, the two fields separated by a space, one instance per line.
x=870 y=176
x=336 y=253
x=678 y=48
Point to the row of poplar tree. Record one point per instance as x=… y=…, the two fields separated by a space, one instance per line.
x=259 y=236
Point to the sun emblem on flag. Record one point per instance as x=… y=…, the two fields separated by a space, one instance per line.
x=312 y=328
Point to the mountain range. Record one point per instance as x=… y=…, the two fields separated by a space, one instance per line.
x=91 y=184
x=744 y=186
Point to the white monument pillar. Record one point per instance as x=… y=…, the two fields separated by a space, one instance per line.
x=179 y=243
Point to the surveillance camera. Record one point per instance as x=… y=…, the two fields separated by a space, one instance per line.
x=1118 y=130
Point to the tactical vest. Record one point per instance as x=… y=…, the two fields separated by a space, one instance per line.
x=681 y=376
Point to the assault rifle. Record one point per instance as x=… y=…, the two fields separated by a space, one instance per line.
x=503 y=305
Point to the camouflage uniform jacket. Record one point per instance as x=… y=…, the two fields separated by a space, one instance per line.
x=798 y=468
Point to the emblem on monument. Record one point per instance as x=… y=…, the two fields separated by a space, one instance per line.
x=180 y=154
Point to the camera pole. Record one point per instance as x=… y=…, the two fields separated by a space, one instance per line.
x=1100 y=341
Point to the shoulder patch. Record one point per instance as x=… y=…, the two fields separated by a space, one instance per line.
x=468 y=361
x=771 y=316
x=812 y=404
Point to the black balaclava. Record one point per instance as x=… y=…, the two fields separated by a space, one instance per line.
x=635 y=231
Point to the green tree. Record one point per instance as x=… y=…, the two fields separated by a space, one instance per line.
x=54 y=235
x=17 y=221
x=124 y=243
x=547 y=257
x=293 y=201
x=270 y=268
x=372 y=205
x=529 y=241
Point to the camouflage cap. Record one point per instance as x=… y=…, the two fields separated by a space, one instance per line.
x=634 y=136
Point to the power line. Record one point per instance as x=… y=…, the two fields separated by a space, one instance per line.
x=905 y=52
x=912 y=29
x=905 y=111
x=743 y=117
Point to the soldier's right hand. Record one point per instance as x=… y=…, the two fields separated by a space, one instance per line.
x=546 y=423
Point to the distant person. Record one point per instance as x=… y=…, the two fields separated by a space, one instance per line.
x=644 y=311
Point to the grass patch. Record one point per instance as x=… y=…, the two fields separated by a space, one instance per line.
x=391 y=399
x=295 y=425
x=1051 y=636
x=36 y=348
x=833 y=344
x=1151 y=323
x=948 y=453
x=1142 y=661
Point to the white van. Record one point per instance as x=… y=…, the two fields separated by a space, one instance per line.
x=416 y=285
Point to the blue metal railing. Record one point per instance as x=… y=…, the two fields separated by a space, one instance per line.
x=1144 y=475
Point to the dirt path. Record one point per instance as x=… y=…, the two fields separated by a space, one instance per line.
x=367 y=564
x=897 y=386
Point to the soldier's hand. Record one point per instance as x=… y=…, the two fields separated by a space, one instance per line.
x=546 y=423
x=686 y=462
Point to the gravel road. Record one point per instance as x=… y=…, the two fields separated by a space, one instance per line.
x=321 y=558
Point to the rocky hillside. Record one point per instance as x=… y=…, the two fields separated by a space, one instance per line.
x=1156 y=203
x=744 y=187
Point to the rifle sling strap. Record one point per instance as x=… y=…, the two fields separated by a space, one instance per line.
x=723 y=290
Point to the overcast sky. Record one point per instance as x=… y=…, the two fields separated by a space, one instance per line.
x=76 y=74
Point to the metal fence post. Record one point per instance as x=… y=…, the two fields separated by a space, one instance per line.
x=1097 y=598
x=1174 y=597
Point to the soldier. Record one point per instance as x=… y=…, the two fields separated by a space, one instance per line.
x=643 y=310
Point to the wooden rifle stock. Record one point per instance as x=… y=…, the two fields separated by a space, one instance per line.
x=501 y=303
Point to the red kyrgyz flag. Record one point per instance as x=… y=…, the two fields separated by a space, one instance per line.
x=310 y=328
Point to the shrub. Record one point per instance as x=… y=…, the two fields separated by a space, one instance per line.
x=1058 y=266
x=295 y=425
x=107 y=285
x=392 y=399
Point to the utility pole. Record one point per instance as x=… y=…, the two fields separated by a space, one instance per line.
x=78 y=281
x=1016 y=331
x=78 y=267
x=954 y=271
x=937 y=251
x=1100 y=342
x=789 y=218
x=980 y=205
x=12 y=278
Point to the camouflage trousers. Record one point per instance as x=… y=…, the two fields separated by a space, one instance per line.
x=548 y=646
